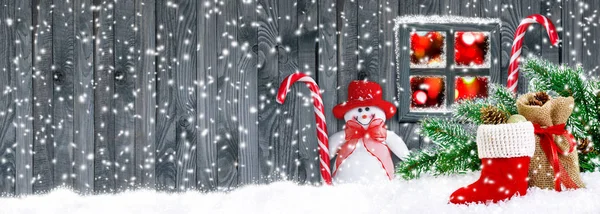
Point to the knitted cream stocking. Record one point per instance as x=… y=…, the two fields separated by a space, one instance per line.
x=505 y=151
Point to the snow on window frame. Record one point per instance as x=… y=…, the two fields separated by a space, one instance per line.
x=449 y=24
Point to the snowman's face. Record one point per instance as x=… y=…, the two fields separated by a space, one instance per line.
x=365 y=114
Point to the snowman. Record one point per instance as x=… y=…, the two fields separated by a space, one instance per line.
x=363 y=148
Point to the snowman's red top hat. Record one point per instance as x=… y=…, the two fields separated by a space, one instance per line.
x=364 y=93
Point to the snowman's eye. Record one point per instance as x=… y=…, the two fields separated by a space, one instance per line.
x=360 y=110
x=367 y=109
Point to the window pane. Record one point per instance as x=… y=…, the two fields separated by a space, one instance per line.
x=470 y=87
x=471 y=49
x=427 y=49
x=427 y=93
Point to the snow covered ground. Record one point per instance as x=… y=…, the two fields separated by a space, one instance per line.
x=425 y=195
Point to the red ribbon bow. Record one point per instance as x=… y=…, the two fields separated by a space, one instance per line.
x=372 y=138
x=551 y=150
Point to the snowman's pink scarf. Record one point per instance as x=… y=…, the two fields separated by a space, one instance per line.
x=372 y=138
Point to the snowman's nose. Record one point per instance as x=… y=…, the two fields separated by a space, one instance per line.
x=364 y=116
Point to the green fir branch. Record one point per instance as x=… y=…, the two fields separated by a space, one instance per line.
x=504 y=98
x=455 y=152
x=469 y=110
x=566 y=81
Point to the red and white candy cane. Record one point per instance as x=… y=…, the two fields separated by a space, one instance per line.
x=513 y=66
x=315 y=93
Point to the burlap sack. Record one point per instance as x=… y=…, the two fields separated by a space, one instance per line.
x=555 y=111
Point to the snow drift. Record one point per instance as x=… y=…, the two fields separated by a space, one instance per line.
x=425 y=195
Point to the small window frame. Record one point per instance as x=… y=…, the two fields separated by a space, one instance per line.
x=404 y=71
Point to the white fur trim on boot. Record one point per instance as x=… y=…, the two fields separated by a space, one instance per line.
x=506 y=140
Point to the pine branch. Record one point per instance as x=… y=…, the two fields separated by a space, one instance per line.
x=504 y=98
x=566 y=81
x=416 y=164
x=455 y=151
x=469 y=110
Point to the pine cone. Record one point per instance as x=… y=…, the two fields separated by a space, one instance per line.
x=585 y=146
x=539 y=99
x=492 y=115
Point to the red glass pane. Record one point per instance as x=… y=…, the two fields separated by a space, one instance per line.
x=427 y=92
x=471 y=49
x=470 y=87
x=427 y=48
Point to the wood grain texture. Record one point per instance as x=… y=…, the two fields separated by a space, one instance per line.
x=124 y=99
x=63 y=39
x=348 y=49
x=228 y=138
x=245 y=79
x=24 y=97
x=590 y=46
x=429 y=7
x=287 y=144
x=268 y=75
x=145 y=88
x=104 y=69
x=451 y=7
x=166 y=146
x=572 y=44
x=184 y=39
x=206 y=156
x=308 y=160
x=368 y=40
x=43 y=132
x=387 y=56
x=328 y=60
x=83 y=110
x=553 y=10
x=7 y=105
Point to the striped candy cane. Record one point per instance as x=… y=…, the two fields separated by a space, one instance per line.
x=513 y=66
x=319 y=115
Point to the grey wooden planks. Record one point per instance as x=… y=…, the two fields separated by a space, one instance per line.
x=7 y=108
x=268 y=75
x=228 y=137
x=368 y=40
x=124 y=100
x=166 y=145
x=286 y=144
x=104 y=69
x=308 y=160
x=589 y=44
x=206 y=151
x=348 y=40
x=43 y=82
x=571 y=19
x=63 y=43
x=245 y=79
x=553 y=12
x=24 y=97
x=388 y=10
x=328 y=59
x=145 y=86
x=83 y=110
x=184 y=39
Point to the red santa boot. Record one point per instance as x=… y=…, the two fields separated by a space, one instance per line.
x=505 y=151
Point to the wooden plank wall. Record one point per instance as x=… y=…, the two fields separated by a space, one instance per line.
x=104 y=95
